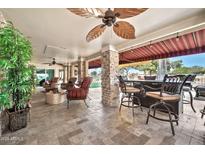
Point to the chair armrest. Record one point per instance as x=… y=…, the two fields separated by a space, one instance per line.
x=144 y=91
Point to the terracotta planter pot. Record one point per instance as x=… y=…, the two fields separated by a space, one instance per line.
x=18 y=119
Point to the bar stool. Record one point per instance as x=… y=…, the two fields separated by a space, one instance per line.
x=187 y=88
x=128 y=96
x=170 y=92
x=202 y=113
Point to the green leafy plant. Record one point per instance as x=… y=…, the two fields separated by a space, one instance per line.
x=15 y=54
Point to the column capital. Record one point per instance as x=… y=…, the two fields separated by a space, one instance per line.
x=108 y=47
x=81 y=58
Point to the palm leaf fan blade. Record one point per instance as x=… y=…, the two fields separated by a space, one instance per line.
x=123 y=13
x=124 y=30
x=95 y=32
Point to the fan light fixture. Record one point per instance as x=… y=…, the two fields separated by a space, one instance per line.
x=177 y=38
x=150 y=44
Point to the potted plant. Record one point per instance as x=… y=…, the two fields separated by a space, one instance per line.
x=16 y=87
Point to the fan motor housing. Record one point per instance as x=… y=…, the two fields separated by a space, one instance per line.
x=109 y=18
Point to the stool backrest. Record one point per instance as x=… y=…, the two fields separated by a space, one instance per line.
x=191 y=77
x=173 y=84
x=122 y=84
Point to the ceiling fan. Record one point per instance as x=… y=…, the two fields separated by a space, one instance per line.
x=54 y=63
x=109 y=18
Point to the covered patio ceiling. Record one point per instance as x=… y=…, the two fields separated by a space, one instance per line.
x=61 y=34
x=191 y=43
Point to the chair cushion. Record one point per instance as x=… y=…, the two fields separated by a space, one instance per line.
x=130 y=89
x=76 y=93
x=165 y=97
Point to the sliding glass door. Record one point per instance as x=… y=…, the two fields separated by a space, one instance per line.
x=44 y=74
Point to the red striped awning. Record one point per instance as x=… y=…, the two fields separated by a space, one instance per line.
x=191 y=43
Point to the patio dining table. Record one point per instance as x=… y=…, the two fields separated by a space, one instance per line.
x=156 y=84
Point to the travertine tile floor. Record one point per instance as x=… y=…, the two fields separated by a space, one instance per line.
x=101 y=124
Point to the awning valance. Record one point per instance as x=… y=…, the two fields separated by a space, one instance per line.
x=191 y=43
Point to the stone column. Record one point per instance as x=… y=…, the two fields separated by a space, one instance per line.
x=162 y=69
x=65 y=74
x=72 y=69
x=68 y=72
x=82 y=68
x=86 y=67
x=110 y=87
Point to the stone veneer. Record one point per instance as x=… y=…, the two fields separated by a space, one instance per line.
x=82 y=68
x=72 y=70
x=68 y=72
x=110 y=88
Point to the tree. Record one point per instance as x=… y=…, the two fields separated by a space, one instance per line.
x=149 y=67
x=94 y=73
x=124 y=71
x=15 y=55
x=197 y=70
x=181 y=70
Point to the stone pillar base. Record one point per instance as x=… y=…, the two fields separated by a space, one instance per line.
x=111 y=97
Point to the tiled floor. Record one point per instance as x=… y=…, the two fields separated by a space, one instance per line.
x=100 y=124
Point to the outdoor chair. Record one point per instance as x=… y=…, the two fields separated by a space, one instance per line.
x=128 y=95
x=79 y=93
x=70 y=83
x=170 y=92
x=187 y=88
x=52 y=85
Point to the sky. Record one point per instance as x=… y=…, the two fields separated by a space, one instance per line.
x=192 y=60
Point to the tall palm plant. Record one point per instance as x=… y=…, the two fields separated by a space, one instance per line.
x=15 y=54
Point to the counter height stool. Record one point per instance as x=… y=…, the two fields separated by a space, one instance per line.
x=170 y=92
x=128 y=96
x=187 y=88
